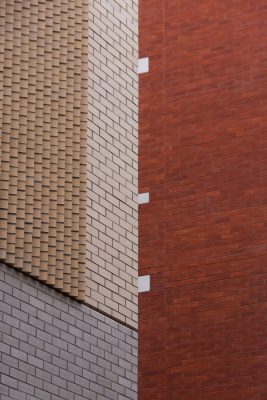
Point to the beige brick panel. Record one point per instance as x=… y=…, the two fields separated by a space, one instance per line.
x=68 y=144
x=43 y=123
x=111 y=266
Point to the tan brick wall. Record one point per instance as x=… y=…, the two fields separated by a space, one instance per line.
x=56 y=117
x=111 y=268
x=43 y=68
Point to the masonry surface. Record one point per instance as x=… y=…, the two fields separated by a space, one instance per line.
x=68 y=154
x=53 y=348
x=68 y=199
x=112 y=156
x=203 y=235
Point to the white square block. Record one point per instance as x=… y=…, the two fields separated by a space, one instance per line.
x=143 y=65
x=143 y=198
x=144 y=283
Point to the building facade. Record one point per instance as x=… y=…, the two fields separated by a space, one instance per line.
x=203 y=152
x=69 y=239
x=68 y=199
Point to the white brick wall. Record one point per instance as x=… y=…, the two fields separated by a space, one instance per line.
x=112 y=158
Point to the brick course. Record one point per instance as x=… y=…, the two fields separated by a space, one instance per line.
x=203 y=235
x=58 y=349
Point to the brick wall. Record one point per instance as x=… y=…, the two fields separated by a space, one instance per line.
x=112 y=159
x=203 y=158
x=43 y=123
x=68 y=157
x=52 y=348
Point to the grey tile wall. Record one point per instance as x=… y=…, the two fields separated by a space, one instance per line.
x=53 y=348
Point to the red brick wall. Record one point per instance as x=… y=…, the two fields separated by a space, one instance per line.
x=203 y=236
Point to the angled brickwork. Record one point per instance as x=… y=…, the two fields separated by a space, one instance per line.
x=69 y=147
x=111 y=269
x=53 y=348
x=43 y=68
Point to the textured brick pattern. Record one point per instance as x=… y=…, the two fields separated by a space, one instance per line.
x=203 y=236
x=49 y=198
x=43 y=113
x=53 y=348
x=112 y=159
